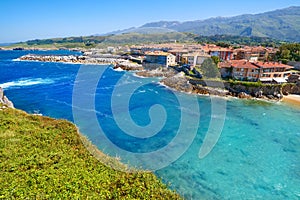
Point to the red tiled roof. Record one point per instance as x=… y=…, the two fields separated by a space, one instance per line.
x=242 y=64
x=220 y=49
x=210 y=47
x=156 y=53
x=252 y=65
x=224 y=65
x=272 y=65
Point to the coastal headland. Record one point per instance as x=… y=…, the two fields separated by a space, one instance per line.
x=45 y=158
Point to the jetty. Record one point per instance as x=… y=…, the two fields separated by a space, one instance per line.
x=73 y=59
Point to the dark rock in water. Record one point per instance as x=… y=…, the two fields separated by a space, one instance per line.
x=4 y=100
x=18 y=49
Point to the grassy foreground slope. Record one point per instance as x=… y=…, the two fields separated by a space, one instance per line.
x=42 y=158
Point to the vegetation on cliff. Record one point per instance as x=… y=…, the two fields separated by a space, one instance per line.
x=289 y=52
x=43 y=158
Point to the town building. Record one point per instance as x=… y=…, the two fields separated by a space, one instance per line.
x=194 y=59
x=254 y=71
x=272 y=71
x=161 y=58
x=221 y=52
x=257 y=53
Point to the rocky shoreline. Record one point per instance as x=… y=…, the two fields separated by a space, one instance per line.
x=178 y=80
x=162 y=72
x=4 y=101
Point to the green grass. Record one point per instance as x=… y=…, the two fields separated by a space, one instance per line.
x=248 y=83
x=44 y=158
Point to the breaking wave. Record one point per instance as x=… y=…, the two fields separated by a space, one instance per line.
x=26 y=82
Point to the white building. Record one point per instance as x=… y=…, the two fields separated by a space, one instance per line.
x=162 y=58
x=195 y=59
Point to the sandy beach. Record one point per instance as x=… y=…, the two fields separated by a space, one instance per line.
x=292 y=99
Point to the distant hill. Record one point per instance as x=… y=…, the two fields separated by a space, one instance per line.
x=146 y=36
x=141 y=30
x=283 y=24
x=149 y=37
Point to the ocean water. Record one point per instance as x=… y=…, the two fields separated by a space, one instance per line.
x=257 y=144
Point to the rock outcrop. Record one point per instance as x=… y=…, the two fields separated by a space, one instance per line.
x=178 y=82
x=128 y=66
x=198 y=89
x=4 y=100
x=163 y=72
x=240 y=90
x=291 y=88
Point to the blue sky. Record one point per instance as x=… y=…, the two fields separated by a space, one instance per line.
x=21 y=20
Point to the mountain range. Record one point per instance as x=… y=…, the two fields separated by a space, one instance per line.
x=282 y=24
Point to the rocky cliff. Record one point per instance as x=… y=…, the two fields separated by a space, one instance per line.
x=4 y=100
x=291 y=88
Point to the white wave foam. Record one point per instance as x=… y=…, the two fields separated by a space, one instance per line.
x=119 y=69
x=26 y=82
x=141 y=91
x=137 y=76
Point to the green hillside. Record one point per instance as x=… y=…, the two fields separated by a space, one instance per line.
x=143 y=38
x=283 y=24
x=43 y=158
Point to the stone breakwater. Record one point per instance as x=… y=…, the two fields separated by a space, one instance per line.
x=116 y=62
x=5 y=101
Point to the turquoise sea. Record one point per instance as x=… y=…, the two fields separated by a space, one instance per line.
x=257 y=150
